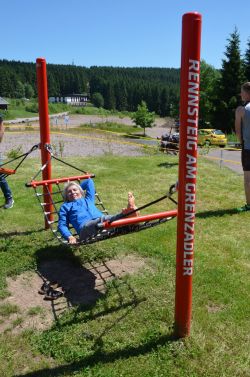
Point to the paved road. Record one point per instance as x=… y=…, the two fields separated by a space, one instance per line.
x=228 y=158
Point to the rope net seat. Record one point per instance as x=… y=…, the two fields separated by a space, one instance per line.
x=49 y=194
x=52 y=190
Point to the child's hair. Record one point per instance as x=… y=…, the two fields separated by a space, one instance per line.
x=246 y=87
x=66 y=187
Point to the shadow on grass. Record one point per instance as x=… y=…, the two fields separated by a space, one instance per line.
x=59 y=264
x=217 y=213
x=20 y=233
x=84 y=285
x=126 y=299
x=99 y=357
x=168 y=164
x=135 y=136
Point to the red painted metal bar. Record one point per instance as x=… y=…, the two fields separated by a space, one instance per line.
x=44 y=129
x=139 y=219
x=7 y=171
x=59 y=180
x=189 y=110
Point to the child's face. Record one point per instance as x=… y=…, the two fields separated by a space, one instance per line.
x=73 y=193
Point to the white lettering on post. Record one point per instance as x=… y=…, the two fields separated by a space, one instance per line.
x=191 y=165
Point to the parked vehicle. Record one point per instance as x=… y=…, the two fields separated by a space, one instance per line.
x=170 y=142
x=210 y=136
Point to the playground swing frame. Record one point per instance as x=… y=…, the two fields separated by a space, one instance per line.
x=189 y=115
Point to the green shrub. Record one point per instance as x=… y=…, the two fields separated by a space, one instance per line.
x=15 y=152
x=32 y=108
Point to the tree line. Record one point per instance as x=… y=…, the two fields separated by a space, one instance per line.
x=123 y=89
x=113 y=88
x=220 y=89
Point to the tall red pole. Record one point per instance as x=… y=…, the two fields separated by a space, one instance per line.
x=44 y=130
x=189 y=112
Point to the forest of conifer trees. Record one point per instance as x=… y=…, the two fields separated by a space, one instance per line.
x=119 y=89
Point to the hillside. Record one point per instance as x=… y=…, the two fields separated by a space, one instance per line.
x=119 y=88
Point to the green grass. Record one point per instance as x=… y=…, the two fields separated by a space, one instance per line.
x=92 y=110
x=7 y=309
x=113 y=127
x=20 y=108
x=128 y=332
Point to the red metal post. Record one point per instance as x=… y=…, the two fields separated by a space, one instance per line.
x=189 y=111
x=44 y=128
x=59 y=180
x=139 y=219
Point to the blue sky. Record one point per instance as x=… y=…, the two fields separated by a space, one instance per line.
x=124 y=33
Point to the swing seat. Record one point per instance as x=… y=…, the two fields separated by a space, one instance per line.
x=52 y=191
x=49 y=194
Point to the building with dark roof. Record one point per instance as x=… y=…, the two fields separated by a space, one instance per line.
x=71 y=99
x=3 y=104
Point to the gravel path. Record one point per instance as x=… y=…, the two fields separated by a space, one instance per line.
x=94 y=144
x=99 y=144
x=72 y=145
x=82 y=144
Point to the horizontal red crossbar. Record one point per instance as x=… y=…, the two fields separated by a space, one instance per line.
x=7 y=171
x=59 y=180
x=139 y=219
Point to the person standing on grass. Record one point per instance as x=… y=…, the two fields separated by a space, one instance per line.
x=242 y=129
x=9 y=201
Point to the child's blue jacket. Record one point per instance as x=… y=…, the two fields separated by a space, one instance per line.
x=78 y=212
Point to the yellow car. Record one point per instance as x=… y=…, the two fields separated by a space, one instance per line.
x=211 y=137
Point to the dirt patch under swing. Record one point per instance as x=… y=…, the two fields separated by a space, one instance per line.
x=83 y=284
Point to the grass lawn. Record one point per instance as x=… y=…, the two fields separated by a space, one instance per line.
x=21 y=108
x=128 y=330
x=113 y=127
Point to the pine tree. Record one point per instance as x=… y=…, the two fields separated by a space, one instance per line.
x=209 y=77
x=164 y=104
x=247 y=61
x=7 y=83
x=20 y=90
x=109 y=99
x=121 y=96
x=232 y=77
x=29 y=91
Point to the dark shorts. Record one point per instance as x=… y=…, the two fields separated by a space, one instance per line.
x=245 y=159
